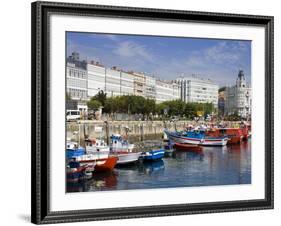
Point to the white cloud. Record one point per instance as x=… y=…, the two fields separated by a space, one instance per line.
x=132 y=49
x=221 y=54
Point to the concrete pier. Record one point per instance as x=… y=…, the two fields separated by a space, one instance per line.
x=137 y=130
x=134 y=130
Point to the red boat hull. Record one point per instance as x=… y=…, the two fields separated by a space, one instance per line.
x=187 y=147
x=234 y=134
x=108 y=165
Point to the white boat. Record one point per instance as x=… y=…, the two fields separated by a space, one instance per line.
x=97 y=147
x=127 y=157
x=120 y=144
x=123 y=150
x=197 y=138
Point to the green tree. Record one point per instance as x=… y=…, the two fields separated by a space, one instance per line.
x=101 y=97
x=160 y=108
x=110 y=105
x=149 y=106
x=94 y=104
x=190 y=110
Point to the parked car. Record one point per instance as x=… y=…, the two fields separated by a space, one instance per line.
x=73 y=115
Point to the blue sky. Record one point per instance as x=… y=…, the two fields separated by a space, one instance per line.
x=166 y=57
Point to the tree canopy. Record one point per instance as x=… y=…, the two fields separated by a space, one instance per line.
x=131 y=104
x=94 y=104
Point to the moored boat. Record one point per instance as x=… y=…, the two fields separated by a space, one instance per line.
x=120 y=144
x=197 y=138
x=234 y=135
x=97 y=164
x=74 y=172
x=97 y=147
x=127 y=157
x=74 y=150
x=215 y=141
x=153 y=155
x=186 y=137
x=123 y=150
x=187 y=147
x=107 y=165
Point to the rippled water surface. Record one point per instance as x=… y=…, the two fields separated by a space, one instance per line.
x=214 y=166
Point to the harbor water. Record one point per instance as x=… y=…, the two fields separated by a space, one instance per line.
x=228 y=165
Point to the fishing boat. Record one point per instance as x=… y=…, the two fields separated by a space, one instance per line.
x=123 y=150
x=120 y=144
x=97 y=147
x=234 y=135
x=100 y=164
x=127 y=157
x=185 y=138
x=74 y=171
x=74 y=150
x=197 y=138
x=97 y=156
x=215 y=141
x=107 y=165
x=187 y=147
x=153 y=155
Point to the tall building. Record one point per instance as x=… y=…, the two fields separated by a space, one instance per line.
x=139 y=84
x=96 y=78
x=166 y=91
x=194 y=89
x=238 y=98
x=112 y=82
x=150 y=87
x=76 y=82
x=127 y=83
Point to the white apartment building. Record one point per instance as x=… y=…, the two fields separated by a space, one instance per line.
x=139 y=84
x=76 y=80
x=112 y=82
x=166 y=91
x=127 y=83
x=150 y=87
x=238 y=98
x=96 y=78
x=194 y=89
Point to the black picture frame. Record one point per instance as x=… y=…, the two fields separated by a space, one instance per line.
x=40 y=211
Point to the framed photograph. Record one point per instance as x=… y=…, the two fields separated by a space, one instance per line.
x=141 y=112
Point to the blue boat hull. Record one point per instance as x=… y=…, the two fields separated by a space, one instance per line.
x=71 y=153
x=154 y=155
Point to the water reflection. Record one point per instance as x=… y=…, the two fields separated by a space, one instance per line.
x=213 y=166
x=188 y=156
x=152 y=167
